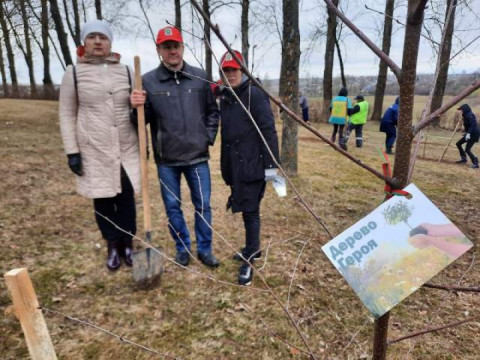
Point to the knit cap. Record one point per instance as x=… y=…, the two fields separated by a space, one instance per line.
x=96 y=26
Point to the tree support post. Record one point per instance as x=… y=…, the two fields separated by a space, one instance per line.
x=380 y=337
x=30 y=316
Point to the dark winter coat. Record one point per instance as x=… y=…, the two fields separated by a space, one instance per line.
x=182 y=113
x=470 y=122
x=244 y=156
x=389 y=120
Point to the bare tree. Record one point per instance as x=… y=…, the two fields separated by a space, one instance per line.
x=75 y=28
x=62 y=36
x=445 y=52
x=329 y=57
x=383 y=68
x=245 y=29
x=98 y=9
x=288 y=90
x=8 y=47
x=178 y=14
x=28 y=47
x=206 y=32
x=2 y=70
x=47 y=79
x=340 y=61
x=406 y=77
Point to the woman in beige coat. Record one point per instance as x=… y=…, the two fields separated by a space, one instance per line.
x=100 y=141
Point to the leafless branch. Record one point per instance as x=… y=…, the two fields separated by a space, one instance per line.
x=452 y=287
x=390 y=63
x=433 y=329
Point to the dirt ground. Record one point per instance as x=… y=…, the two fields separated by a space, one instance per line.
x=49 y=229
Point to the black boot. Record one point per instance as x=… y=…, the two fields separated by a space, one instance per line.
x=475 y=163
x=359 y=143
x=463 y=160
x=113 y=258
x=127 y=250
x=389 y=150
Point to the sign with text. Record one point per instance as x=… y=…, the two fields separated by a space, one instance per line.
x=395 y=249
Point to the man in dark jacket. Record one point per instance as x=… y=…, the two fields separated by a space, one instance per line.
x=471 y=136
x=183 y=117
x=388 y=125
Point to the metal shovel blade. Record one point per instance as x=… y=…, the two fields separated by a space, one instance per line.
x=147 y=267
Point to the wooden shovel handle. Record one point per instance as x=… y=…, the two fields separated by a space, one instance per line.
x=142 y=136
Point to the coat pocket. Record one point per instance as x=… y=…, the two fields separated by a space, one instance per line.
x=251 y=169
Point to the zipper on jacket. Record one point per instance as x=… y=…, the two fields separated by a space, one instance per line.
x=176 y=78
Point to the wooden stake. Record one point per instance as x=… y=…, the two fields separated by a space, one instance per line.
x=30 y=316
x=454 y=132
x=380 y=337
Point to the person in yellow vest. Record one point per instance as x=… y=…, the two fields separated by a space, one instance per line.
x=339 y=109
x=358 y=118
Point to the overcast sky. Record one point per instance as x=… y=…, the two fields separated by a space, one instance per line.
x=132 y=38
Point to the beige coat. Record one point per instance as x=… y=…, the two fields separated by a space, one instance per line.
x=97 y=125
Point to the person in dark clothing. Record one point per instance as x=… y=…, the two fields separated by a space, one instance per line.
x=388 y=125
x=183 y=117
x=303 y=102
x=246 y=164
x=471 y=136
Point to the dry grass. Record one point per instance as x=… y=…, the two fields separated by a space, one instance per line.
x=46 y=227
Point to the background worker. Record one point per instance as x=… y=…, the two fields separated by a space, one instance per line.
x=358 y=118
x=339 y=109
x=471 y=136
x=303 y=102
x=388 y=125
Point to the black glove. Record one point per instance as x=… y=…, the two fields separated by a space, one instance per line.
x=75 y=163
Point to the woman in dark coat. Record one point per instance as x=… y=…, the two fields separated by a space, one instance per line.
x=245 y=161
x=471 y=136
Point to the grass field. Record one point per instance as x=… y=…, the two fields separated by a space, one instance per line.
x=46 y=227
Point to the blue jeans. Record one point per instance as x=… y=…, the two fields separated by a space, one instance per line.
x=198 y=180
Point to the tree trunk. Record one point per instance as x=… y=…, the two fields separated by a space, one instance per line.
x=445 y=52
x=329 y=56
x=98 y=9
x=416 y=9
x=340 y=60
x=76 y=18
x=208 y=51
x=75 y=29
x=382 y=70
x=62 y=36
x=415 y=13
x=2 y=71
x=244 y=21
x=288 y=91
x=8 y=47
x=178 y=14
x=47 y=79
x=28 y=49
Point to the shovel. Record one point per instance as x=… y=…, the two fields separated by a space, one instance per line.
x=147 y=263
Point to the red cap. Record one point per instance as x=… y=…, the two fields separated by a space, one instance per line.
x=169 y=33
x=228 y=61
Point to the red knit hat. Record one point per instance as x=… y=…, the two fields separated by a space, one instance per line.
x=169 y=33
x=227 y=60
